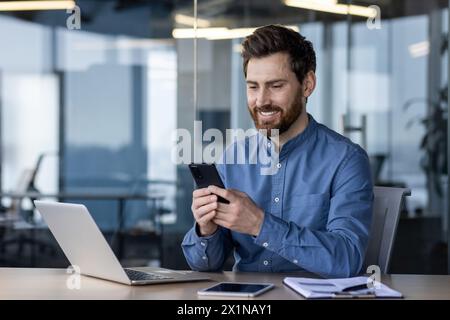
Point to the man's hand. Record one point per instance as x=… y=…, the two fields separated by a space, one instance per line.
x=204 y=205
x=241 y=214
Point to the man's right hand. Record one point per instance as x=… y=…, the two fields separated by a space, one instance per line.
x=204 y=205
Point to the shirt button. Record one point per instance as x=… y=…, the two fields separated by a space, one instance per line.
x=265 y=244
x=204 y=258
x=202 y=243
x=278 y=165
x=276 y=199
x=265 y=262
x=295 y=261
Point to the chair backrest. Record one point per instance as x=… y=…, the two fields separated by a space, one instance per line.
x=386 y=212
x=21 y=187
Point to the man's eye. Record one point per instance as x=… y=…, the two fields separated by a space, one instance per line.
x=277 y=86
x=252 y=87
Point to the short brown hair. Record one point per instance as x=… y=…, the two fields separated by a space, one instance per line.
x=272 y=39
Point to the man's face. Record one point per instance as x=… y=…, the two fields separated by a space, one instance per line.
x=274 y=94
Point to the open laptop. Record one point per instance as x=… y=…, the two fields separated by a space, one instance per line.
x=85 y=247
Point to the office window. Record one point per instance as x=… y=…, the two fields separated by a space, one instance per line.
x=29 y=129
x=161 y=115
x=29 y=105
x=120 y=111
x=375 y=85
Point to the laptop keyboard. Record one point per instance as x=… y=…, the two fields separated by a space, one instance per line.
x=139 y=275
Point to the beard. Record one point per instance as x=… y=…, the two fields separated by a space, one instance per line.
x=286 y=119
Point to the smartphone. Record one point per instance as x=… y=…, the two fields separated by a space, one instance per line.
x=236 y=289
x=207 y=175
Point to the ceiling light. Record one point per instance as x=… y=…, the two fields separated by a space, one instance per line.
x=419 y=49
x=333 y=7
x=216 y=33
x=186 y=33
x=189 y=21
x=36 y=5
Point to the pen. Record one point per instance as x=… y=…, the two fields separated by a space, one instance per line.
x=346 y=295
x=355 y=288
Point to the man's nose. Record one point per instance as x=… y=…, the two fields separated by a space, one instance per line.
x=262 y=98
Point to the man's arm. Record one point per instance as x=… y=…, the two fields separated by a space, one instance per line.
x=339 y=251
x=206 y=246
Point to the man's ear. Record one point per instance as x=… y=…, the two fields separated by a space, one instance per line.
x=309 y=84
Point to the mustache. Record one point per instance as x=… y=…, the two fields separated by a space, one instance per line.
x=268 y=108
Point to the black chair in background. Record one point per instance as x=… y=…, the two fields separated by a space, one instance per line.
x=377 y=162
x=18 y=228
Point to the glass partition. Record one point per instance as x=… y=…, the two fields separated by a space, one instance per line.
x=98 y=108
x=379 y=83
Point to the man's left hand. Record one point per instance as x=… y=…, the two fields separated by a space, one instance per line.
x=241 y=214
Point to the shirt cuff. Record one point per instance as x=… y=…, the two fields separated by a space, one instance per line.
x=198 y=236
x=272 y=233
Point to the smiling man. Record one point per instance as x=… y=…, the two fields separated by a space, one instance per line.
x=314 y=212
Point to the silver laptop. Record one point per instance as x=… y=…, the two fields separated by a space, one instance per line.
x=85 y=247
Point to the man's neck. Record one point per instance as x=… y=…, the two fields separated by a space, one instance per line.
x=294 y=130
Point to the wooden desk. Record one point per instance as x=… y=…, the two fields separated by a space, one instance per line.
x=21 y=283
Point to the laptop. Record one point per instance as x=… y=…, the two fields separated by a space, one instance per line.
x=85 y=247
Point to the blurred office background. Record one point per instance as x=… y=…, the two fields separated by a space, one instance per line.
x=87 y=115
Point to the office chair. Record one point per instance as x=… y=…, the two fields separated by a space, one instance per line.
x=19 y=222
x=386 y=212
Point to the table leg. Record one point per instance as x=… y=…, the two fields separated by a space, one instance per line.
x=33 y=246
x=160 y=240
x=120 y=228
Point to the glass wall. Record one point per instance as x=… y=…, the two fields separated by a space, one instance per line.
x=95 y=110
x=91 y=113
x=378 y=84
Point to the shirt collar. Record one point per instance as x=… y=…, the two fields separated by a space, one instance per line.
x=294 y=142
x=301 y=138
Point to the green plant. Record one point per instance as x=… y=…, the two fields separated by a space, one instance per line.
x=434 y=142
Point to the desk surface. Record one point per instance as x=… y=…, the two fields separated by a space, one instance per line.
x=24 y=283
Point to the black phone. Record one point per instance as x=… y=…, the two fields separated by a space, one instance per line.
x=207 y=175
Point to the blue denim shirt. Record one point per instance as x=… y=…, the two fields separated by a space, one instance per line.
x=318 y=209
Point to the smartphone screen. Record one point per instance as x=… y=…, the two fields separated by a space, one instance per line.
x=237 y=289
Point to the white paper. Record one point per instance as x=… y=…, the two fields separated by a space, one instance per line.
x=328 y=288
